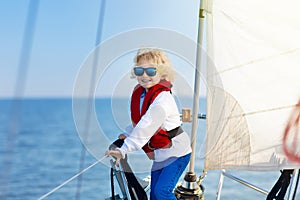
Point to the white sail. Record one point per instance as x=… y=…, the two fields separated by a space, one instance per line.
x=253 y=81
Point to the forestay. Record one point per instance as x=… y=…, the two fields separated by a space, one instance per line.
x=253 y=81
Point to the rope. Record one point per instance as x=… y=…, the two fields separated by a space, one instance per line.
x=70 y=179
x=15 y=110
x=91 y=90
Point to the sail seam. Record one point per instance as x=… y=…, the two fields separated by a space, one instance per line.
x=259 y=60
x=262 y=111
x=270 y=109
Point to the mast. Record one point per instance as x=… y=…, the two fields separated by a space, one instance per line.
x=191 y=186
x=197 y=86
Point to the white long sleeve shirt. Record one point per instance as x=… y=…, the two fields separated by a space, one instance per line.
x=162 y=113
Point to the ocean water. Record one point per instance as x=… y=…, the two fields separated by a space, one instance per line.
x=40 y=148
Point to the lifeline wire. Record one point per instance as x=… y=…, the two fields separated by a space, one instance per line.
x=91 y=90
x=16 y=107
x=70 y=179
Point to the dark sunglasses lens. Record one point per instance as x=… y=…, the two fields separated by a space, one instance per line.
x=138 y=71
x=150 y=71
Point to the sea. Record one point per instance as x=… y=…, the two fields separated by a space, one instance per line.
x=41 y=148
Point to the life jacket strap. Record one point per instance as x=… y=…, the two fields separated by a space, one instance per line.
x=174 y=132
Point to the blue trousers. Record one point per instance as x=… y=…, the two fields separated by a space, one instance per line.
x=165 y=175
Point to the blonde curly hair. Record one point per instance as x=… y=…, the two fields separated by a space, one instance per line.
x=159 y=58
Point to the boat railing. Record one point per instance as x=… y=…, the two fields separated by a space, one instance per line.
x=291 y=193
x=243 y=182
x=70 y=179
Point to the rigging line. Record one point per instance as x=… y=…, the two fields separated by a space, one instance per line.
x=19 y=89
x=91 y=90
x=70 y=179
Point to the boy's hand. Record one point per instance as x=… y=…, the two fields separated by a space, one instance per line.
x=122 y=136
x=115 y=153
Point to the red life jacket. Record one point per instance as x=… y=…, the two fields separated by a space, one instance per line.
x=161 y=138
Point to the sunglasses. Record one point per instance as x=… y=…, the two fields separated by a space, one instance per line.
x=139 y=71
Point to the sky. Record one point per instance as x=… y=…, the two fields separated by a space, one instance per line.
x=65 y=35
